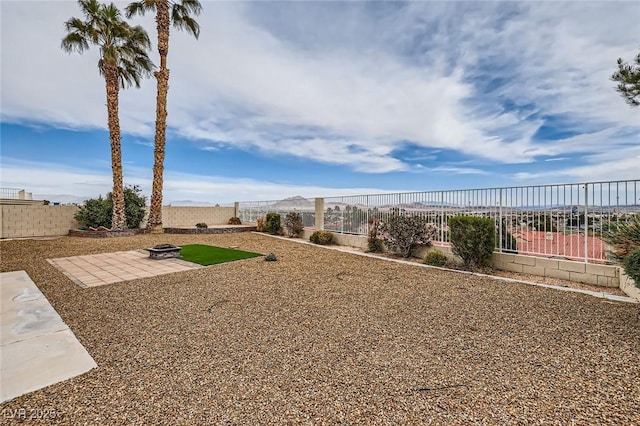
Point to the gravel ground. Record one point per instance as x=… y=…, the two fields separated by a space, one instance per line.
x=324 y=337
x=517 y=276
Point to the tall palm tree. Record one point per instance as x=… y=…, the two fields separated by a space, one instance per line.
x=167 y=12
x=123 y=61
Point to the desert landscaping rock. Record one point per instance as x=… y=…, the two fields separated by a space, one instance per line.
x=326 y=337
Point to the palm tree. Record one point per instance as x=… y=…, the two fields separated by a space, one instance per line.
x=167 y=12
x=123 y=61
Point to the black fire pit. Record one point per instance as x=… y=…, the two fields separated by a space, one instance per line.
x=164 y=251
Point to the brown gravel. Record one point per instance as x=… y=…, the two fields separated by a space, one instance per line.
x=324 y=337
x=516 y=276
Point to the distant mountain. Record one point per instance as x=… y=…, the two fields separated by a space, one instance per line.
x=294 y=202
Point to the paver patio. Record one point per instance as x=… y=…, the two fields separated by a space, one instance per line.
x=108 y=268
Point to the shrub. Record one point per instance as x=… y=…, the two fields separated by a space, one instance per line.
x=234 y=221
x=260 y=226
x=201 y=225
x=293 y=224
x=374 y=243
x=270 y=257
x=632 y=266
x=134 y=205
x=435 y=258
x=624 y=237
x=97 y=212
x=402 y=233
x=321 y=237
x=273 y=224
x=473 y=240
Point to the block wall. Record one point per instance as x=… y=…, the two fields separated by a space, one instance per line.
x=177 y=216
x=20 y=221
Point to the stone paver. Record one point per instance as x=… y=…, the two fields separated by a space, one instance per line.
x=107 y=268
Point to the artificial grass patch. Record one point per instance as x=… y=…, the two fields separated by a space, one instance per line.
x=210 y=255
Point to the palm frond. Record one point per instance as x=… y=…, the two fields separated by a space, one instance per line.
x=121 y=45
x=182 y=19
x=140 y=8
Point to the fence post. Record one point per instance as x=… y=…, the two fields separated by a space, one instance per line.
x=236 y=209
x=586 y=222
x=319 y=217
x=500 y=223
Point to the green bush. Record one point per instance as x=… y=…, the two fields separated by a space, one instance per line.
x=624 y=237
x=632 y=266
x=473 y=240
x=273 y=224
x=293 y=224
x=321 y=237
x=403 y=232
x=201 y=225
x=435 y=258
x=234 y=221
x=97 y=211
x=134 y=206
x=374 y=243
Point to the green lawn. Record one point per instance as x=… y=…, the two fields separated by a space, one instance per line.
x=211 y=255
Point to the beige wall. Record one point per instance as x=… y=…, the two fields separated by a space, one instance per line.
x=176 y=216
x=36 y=220
x=19 y=221
x=628 y=285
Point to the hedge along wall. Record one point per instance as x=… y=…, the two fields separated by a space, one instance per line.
x=21 y=221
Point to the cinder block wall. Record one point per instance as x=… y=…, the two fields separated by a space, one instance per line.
x=177 y=216
x=588 y=273
x=20 y=221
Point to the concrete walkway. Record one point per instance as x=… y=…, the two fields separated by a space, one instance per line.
x=37 y=348
x=108 y=268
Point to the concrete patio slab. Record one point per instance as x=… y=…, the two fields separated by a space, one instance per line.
x=37 y=348
x=108 y=268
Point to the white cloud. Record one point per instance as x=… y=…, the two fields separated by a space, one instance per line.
x=362 y=82
x=621 y=164
x=55 y=183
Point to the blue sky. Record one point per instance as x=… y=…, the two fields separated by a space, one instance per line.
x=278 y=99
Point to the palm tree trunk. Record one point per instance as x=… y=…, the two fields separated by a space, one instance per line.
x=154 y=223
x=118 y=219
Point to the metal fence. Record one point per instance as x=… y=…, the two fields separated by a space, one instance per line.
x=250 y=211
x=566 y=221
x=10 y=193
